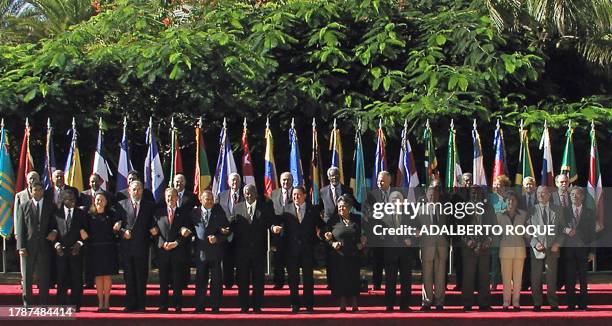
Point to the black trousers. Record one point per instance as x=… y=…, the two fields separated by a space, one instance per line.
x=208 y=270
x=278 y=266
x=135 y=274
x=476 y=268
x=305 y=261
x=229 y=270
x=576 y=264
x=70 y=276
x=251 y=270
x=171 y=272
x=378 y=263
x=457 y=262
x=402 y=263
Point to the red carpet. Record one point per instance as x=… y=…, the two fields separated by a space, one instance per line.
x=276 y=310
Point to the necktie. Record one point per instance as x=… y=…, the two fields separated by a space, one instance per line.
x=397 y=221
x=206 y=215
x=170 y=216
x=564 y=199
x=235 y=198
x=385 y=197
x=68 y=219
x=180 y=200
x=545 y=216
x=298 y=214
x=333 y=189
x=37 y=208
x=135 y=209
x=528 y=201
x=250 y=212
x=284 y=197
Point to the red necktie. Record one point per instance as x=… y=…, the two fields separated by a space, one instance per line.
x=170 y=216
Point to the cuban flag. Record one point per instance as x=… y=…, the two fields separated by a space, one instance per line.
x=125 y=165
x=225 y=163
x=547 y=177
x=295 y=161
x=380 y=160
x=100 y=167
x=154 y=174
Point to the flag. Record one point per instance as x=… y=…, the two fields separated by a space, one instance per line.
x=358 y=179
x=50 y=164
x=225 y=162
x=594 y=184
x=26 y=163
x=453 y=168
x=201 y=178
x=295 y=162
x=154 y=174
x=525 y=166
x=270 y=177
x=7 y=186
x=125 y=165
x=499 y=164
x=407 y=176
x=547 y=177
x=316 y=178
x=176 y=163
x=335 y=146
x=568 y=165
x=72 y=170
x=100 y=166
x=247 y=167
x=431 y=163
x=380 y=159
x=478 y=172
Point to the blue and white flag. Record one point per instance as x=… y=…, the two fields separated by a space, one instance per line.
x=295 y=161
x=225 y=163
x=100 y=167
x=125 y=165
x=154 y=174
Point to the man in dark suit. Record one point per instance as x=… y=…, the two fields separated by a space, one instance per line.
x=399 y=253
x=68 y=221
x=125 y=193
x=228 y=200
x=579 y=248
x=135 y=228
x=280 y=197
x=33 y=233
x=185 y=199
x=25 y=195
x=59 y=184
x=301 y=223
x=252 y=220
x=561 y=199
x=210 y=228
x=172 y=247
x=378 y=195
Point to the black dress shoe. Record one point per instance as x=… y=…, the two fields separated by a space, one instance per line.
x=178 y=310
x=342 y=309
x=439 y=307
x=467 y=308
x=426 y=308
x=377 y=288
x=516 y=308
x=126 y=309
x=537 y=308
x=215 y=310
x=257 y=310
x=571 y=307
x=405 y=309
x=244 y=310
x=506 y=308
x=277 y=287
x=555 y=308
x=389 y=309
x=485 y=308
x=295 y=309
x=199 y=310
x=162 y=309
x=309 y=309
x=355 y=309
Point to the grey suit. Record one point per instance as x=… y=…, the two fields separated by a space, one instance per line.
x=31 y=232
x=555 y=217
x=434 y=253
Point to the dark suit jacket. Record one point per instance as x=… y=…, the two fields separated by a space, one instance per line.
x=30 y=233
x=585 y=230
x=301 y=237
x=86 y=199
x=251 y=237
x=188 y=201
x=67 y=238
x=329 y=206
x=124 y=194
x=50 y=193
x=523 y=201
x=217 y=220
x=225 y=201
x=278 y=202
x=139 y=226
x=171 y=232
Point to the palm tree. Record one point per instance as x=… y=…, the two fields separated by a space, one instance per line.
x=585 y=25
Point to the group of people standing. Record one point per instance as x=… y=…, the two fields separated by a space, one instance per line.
x=227 y=239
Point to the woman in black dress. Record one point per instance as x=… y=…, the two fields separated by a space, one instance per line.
x=344 y=236
x=103 y=259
